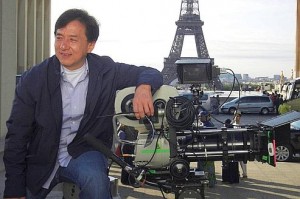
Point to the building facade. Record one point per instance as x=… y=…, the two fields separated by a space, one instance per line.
x=24 y=42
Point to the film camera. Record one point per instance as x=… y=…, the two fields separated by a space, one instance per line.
x=169 y=142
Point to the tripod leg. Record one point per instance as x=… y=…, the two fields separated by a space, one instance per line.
x=202 y=193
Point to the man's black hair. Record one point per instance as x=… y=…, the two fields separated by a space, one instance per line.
x=90 y=23
x=227 y=121
x=228 y=124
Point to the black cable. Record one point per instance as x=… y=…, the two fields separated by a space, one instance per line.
x=180 y=112
x=235 y=80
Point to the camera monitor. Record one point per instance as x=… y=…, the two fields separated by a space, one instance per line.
x=194 y=70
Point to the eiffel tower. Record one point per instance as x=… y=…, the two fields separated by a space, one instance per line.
x=189 y=23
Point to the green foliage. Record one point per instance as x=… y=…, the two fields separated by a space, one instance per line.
x=284 y=108
x=294 y=104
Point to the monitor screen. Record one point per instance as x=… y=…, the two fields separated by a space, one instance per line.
x=194 y=73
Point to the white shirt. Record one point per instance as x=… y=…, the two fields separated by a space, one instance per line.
x=73 y=86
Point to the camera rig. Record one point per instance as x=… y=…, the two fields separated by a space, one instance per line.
x=170 y=141
x=173 y=138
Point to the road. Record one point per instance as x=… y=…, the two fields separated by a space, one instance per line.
x=251 y=119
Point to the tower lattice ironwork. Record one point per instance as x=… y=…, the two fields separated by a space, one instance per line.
x=189 y=23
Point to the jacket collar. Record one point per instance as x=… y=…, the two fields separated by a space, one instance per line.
x=53 y=82
x=96 y=71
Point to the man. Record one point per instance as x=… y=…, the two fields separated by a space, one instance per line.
x=205 y=118
x=237 y=124
x=214 y=105
x=207 y=166
x=60 y=100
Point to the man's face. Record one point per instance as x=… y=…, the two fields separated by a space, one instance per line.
x=71 y=45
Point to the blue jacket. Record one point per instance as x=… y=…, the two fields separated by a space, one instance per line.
x=34 y=125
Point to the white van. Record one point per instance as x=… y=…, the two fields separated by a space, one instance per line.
x=249 y=104
x=205 y=99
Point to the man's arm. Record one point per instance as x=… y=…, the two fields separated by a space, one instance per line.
x=146 y=79
x=148 y=82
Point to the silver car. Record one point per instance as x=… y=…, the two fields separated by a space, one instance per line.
x=249 y=104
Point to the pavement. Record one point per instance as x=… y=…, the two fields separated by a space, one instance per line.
x=263 y=182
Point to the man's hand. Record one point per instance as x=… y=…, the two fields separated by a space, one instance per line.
x=142 y=101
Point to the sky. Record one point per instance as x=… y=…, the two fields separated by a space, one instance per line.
x=255 y=37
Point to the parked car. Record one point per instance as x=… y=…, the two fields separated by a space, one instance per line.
x=205 y=99
x=286 y=131
x=286 y=150
x=249 y=104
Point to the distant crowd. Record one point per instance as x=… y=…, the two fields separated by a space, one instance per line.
x=278 y=102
